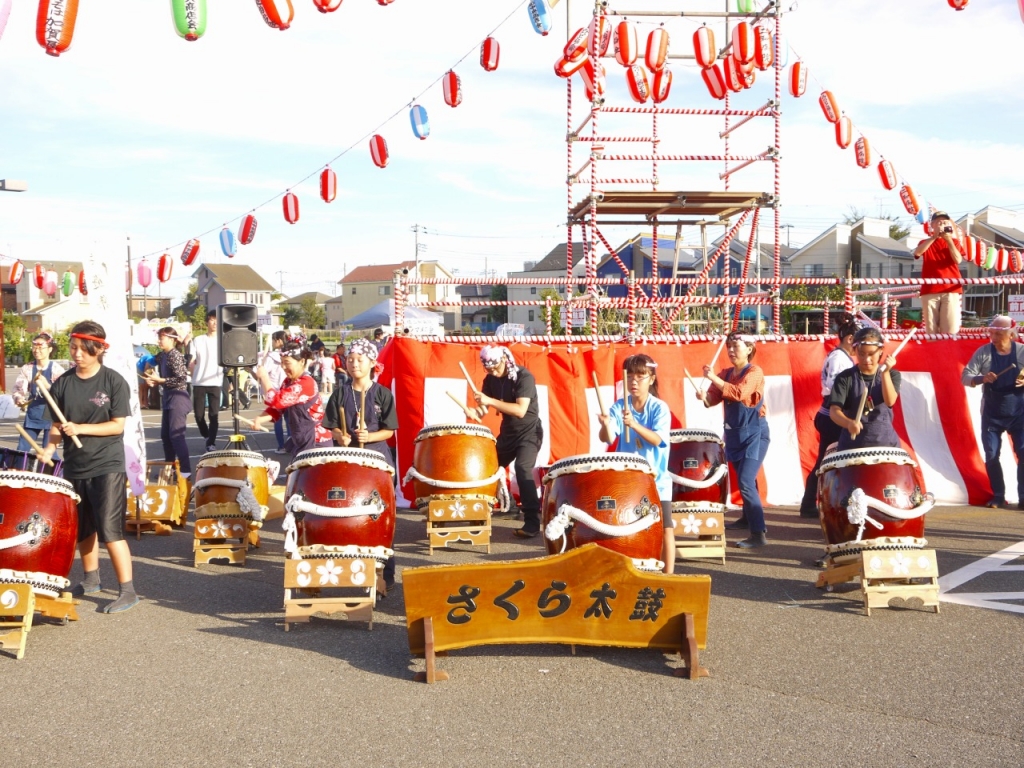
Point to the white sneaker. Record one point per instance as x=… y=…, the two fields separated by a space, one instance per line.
x=281 y=452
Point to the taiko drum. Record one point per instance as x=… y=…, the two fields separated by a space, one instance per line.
x=345 y=479
x=697 y=456
x=219 y=500
x=464 y=455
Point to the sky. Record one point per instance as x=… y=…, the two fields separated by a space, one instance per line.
x=136 y=133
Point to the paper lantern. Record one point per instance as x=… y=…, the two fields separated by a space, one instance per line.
x=5 y=13
x=661 y=84
x=797 y=79
x=164 y=267
x=419 y=121
x=1002 y=260
x=247 y=229
x=599 y=36
x=980 y=251
x=327 y=6
x=844 y=132
x=747 y=74
x=829 y=106
x=55 y=25
x=704 y=50
x=1016 y=262
x=626 y=47
x=540 y=16
x=636 y=81
x=328 y=185
x=385 y=2
x=67 y=283
x=909 y=199
x=714 y=79
x=1020 y=7
x=576 y=46
x=189 y=18
x=887 y=174
x=567 y=68
x=922 y=214
x=958 y=5
x=83 y=285
x=746 y=6
x=593 y=75
x=657 y=49
x=991 y=254
x=927 y=226
x=145 y=273
x=764 y=48
x=862 y=150
x=228 y=244
x=733 y=76
x=452 y=89
x=290 y=206
x=189 y=252
x=490 y=53
x=379 y=150
x=38 y=275
x=277 y=13
x=16 y=273
x=743 y=42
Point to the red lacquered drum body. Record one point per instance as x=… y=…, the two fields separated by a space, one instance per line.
x=220 y=500
x=462 y=455
x=38 y=530
x=696 y=456
x=887 y=474
x=616 y=489
x=349 y=479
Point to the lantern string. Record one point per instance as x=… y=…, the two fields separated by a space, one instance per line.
x=358 y=142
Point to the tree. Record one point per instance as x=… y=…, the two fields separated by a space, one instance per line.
x=499 y=314
x=192 y=293
x=291 y=316
x=312 y=314
x=813 y=295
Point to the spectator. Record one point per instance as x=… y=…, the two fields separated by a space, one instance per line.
x=940 y=304
x=207 y=381
x=26 y=391
x=315 y=345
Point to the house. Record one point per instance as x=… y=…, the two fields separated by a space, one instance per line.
x=233 y=284
x=552 y=265
x=29 y=298
x=145 y=306
x=476 y=316
x=296 y=301
x=365 y=287
x=999 y=227
x=637 y=256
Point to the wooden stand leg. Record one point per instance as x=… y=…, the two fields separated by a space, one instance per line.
x=432 y=675
x=19 y=605
x=689 y=653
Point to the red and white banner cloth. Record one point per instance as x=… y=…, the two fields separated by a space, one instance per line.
x=937 y=418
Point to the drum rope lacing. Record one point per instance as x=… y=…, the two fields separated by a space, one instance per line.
x=567 y=513
x=246 y=499
x=35 y=531
x=712 y=479
x=296 y=503
x=857 y=510
x=504 y=500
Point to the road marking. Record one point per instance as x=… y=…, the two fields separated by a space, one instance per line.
x=993 y=563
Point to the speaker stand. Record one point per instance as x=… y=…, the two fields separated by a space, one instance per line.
x=237 y=439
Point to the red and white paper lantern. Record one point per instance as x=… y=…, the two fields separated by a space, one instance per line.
x=490 y=53
x=733 y=76
x=327 y=6
x=247 y=229
x=764 y=48
x=164 y=267
x=576 y=46
x=593 y=76
x=55 y=25
x=16 y=273
x=290 y=206
x=958 y=5
x=145 y=273
x=743 y=40
x=599 y=36
x=626 y=46
x=568 y=67
x=862 y=149
x=328 y=185
x=661 y=84
x=190 y=252
x=797 y=79
x=38 y=275
x=83 y=284
x=909 y=200
x=829 y=106
x=844 y=132
x=277 y=13
x=657 y=49
x=887 y=174
x=452 y=88
x=636 y=80
x=379 y=150
x=704 y=50
x=714 y=79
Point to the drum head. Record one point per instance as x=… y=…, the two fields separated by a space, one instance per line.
x=595 y=462
x=360 y=456
x=694 y=436
x=437 y=430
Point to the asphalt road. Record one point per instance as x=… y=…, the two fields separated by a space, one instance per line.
x=202 y=672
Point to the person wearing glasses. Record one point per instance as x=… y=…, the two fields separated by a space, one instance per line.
x=649 y=420
x=871 y=428
x=998 y=368
x=941 y=254
x=741 y=389
x=26 y=391
x=511 y=390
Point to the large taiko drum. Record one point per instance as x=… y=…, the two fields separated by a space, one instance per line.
x=340 y=497
x=872 y=498
x=610 y=499
x=29 y=462
x=455 y=460
x=228 y=482
x=697 y=462
x=38 y=530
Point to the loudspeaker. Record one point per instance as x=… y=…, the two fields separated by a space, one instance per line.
x=237 y=336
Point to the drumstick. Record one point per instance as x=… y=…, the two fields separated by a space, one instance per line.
x=469 y=379
x=625 y=405
x=902 y=345
x=1007 y=368
x=33 y=444
x=341 y=413
x=252 y=424
x=690 y=379
x=463 y=406
x=600 y=400
x=715 y=358
x=44 y=387
x=860 y=406
x=362 y=412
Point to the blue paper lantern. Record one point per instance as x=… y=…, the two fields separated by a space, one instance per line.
x=228 y=244
x=540 y=16
x=419 y=120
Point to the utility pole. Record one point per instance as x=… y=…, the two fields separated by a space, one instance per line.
x=416 y=229
x=786 y=227
x=280 y=282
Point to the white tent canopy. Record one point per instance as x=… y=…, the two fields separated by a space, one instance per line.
x=384 y=315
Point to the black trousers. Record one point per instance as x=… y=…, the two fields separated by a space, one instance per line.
x=203 y=399
x=524 y=449
x=828 y=433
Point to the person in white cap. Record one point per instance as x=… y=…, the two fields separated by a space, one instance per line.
x=999 y=368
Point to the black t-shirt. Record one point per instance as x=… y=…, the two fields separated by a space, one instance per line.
x=509 y=391
x=843 y=385
x=383 y=406
x=98 y=399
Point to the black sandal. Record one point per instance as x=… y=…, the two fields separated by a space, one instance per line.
x=522 y=533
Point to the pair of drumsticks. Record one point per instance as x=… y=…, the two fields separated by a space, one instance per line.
x=471 y=413
x=626 y=432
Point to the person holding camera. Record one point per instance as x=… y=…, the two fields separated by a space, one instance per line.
x=942 y=254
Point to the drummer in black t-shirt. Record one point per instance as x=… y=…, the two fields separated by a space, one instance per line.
x=874 y=382
x=512 y=391
x=95 y=401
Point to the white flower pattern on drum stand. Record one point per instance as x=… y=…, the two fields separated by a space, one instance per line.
x=691 y=524
x=155 y=502
x=457 y=508
x=329 y=573
x=900 y=565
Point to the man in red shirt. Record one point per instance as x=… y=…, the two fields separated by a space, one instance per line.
x=940 y=304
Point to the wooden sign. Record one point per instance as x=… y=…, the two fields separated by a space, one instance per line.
x=587 y=596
